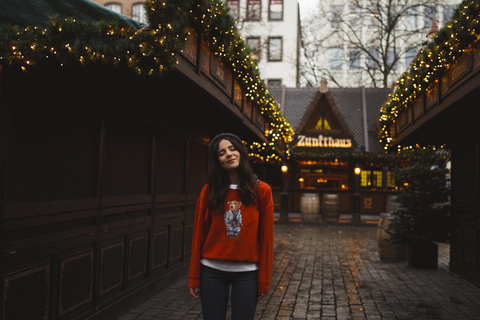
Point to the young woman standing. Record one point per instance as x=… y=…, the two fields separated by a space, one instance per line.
x=233 y=234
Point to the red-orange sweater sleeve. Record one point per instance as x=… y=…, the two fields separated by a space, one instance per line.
x=198 y=240
x=265 y=237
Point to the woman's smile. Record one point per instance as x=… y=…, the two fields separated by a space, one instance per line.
x=228 y=156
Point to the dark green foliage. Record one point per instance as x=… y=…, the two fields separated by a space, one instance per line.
x=424 y=213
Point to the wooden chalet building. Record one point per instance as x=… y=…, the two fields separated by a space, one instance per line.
x=336 y=130
x=100 y=169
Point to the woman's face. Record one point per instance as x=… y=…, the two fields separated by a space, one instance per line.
x=228 y=156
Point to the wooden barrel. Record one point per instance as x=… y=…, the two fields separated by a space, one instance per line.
x=387 y=250
x=309 y=206
x=330 y=207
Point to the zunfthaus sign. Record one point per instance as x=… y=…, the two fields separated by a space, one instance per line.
x=323 y=142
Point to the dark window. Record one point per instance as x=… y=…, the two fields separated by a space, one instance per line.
x=254 y=9
x=274 y=82
x=392 y=59
x=234 y=6
x=447 y=14
x=354 y=59
x=411 y=18
x=275 y=48
x=275 y=10
x=255 y=48
x=428 y=15
x=336 y=58
x=372 y=17
x=354 y=16
x=372 y=59
x=336 y=16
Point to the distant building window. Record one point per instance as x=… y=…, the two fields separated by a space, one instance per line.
x=254 y=9
x=275 y=10
x=234 y=6
x=255 y=48
x=409 y=55
x=354 y=16
x=429 y=13
x=391 y=179
x=275 y=48
x=373 y=17
x=372 y=59
x=114 y=7
x=447 y=14
x=139 y=12
x=392 y=59
x=354 y=59
x=336 y=16
x=323 y=124
x=274 y=82
x=411 y=18
x=336 y=58
x=371 y=178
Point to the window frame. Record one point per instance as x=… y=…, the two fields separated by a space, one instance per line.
x=336 y=16
x=274 y=80
x=140 y=5
x=249 y=4
x=237 y=16
x=270 y=11
x=107 y=5
x=281 y=49
x=252 y=50
x=354 y=64
x=427 y=20
x=339 y=61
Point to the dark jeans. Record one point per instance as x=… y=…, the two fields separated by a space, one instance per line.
x=214 y=293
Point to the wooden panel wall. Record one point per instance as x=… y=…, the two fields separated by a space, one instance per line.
x=97 y=204
x=465 y=242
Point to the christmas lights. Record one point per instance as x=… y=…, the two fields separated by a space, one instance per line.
x=440 y=54
x=150 y=51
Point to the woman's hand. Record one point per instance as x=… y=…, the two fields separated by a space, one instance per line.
x=260 y=295
x=195 y=292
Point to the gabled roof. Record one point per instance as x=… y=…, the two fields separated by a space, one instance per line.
x=39 y=12
x=332 y=105
x=349 y=104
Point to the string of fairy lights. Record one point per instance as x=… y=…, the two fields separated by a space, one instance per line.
x=440 y=54
x=151 y=51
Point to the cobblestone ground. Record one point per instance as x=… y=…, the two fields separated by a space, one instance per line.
x=325 y=271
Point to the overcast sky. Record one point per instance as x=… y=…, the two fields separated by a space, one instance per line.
x=308 y=5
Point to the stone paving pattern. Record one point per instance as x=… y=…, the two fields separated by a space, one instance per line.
x=333 y=271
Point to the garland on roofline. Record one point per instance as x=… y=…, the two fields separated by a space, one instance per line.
x=404 y=155
x=447 y=46
x=211 y=19
x=150 y=51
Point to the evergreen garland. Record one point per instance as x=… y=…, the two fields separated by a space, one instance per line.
x=149 y=51
x=440 y=54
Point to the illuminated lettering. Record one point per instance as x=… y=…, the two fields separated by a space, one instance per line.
x=322 y=142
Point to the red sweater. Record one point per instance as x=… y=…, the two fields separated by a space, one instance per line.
x=232 y=236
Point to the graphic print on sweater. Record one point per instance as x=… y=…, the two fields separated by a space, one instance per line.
x=233 y=218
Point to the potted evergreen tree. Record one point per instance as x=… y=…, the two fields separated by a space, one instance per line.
x=424 y=211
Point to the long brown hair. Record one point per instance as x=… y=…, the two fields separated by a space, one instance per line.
x=218 y=179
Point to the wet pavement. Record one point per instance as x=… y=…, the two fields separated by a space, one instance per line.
x=333 y=271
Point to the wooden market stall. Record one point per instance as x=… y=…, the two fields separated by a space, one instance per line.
x=101 y=161
x=436 y=105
